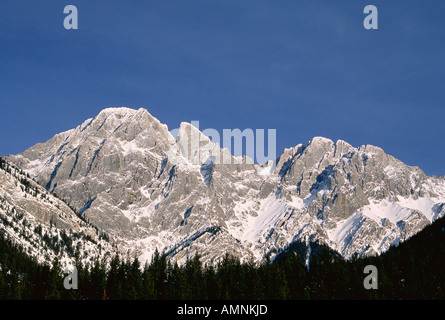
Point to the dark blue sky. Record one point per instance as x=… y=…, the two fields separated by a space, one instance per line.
x=305 y=68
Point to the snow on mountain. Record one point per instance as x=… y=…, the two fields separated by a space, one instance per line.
x=126 y=173
x=45 y=226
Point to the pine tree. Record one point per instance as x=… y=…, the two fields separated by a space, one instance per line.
x=114 y=282
x=194 y=278
x=211 y=283
x=55 y=282
x=254 y=287
x=158 y=268
x=97 y=284
x=147 y=287
x=133 y=282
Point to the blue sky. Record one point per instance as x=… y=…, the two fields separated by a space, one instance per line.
x=305 y=68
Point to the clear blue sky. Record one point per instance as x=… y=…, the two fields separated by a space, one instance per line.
x=306 y=68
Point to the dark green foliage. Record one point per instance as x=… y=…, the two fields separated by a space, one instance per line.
x=413 y=270
x=21 y=277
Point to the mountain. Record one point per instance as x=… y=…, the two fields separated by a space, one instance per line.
x=44 y=226
x=129 y=176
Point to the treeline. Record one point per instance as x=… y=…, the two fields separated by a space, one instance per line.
x=413 y=270
x=21 y=277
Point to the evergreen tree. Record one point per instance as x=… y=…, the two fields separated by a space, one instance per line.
x=254 y=287
x=133 y=284
x=55 y=282
x=211 y=282
x=148 y=284
x=114 y=282
x=97 y=282
x=194 y=279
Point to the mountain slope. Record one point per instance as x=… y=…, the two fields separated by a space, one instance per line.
x=43 y=225
x=128 y=175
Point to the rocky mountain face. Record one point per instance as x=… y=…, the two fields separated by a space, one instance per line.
x=125 y=172
x=45 y=226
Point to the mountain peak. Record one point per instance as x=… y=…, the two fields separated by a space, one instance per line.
x=127 y=174
x=117 y=111
x=320 y=140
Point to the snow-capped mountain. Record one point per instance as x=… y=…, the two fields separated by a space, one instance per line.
x=45 y=226
x=126 y=173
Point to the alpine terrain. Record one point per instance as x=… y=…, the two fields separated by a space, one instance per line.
x=130 y=178
x=44 y=226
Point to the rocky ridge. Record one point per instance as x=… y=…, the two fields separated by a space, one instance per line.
x=125 y=172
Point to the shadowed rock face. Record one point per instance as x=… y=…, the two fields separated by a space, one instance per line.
x=127 y=174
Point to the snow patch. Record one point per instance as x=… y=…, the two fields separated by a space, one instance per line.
x=424 y=205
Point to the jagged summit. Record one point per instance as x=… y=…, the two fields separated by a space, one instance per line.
x=120 y=110
x=320 y=140
x=126 y=173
